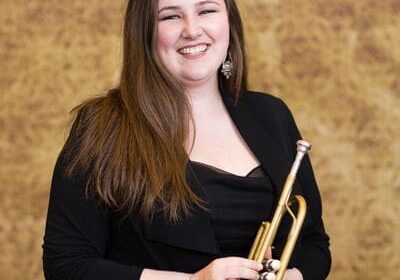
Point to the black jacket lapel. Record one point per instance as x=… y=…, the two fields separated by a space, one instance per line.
x=192 y=233
x=259 y=139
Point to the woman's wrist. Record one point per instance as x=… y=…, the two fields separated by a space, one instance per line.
x=150 y=274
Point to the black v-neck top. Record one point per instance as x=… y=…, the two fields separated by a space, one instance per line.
x=84 y=242
x=237 y=204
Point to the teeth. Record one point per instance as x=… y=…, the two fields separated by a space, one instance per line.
x=193 y=50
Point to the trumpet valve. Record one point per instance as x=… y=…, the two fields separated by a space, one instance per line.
x=267 y=276
x=272 y=265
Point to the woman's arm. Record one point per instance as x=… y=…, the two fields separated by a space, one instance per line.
x=219 y=269
x=77 y=234
x=314 y=261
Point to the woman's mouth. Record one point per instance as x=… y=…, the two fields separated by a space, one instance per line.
x=193 y=51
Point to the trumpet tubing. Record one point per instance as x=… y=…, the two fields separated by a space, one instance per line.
x=267 y=232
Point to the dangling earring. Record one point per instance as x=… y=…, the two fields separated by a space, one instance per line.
x=227 y=66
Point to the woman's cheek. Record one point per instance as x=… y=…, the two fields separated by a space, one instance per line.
x=166 y=37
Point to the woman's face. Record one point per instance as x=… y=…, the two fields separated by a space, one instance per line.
x=192 y=38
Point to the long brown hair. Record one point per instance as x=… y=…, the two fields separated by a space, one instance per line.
x=130 y=142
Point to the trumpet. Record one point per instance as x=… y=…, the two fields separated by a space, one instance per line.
x=266 y=234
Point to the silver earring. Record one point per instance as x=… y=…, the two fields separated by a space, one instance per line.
x=227 y=66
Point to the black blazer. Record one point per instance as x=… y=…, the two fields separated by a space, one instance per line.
x=83 y=242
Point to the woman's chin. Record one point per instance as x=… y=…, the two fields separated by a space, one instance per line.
x=197 y=78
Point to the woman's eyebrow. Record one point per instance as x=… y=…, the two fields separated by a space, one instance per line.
x=169 y=8
x=174 y=8
x=207 y=2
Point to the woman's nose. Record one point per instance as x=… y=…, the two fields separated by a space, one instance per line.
x=192 y=28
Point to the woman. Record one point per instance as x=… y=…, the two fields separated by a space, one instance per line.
x=170 y=175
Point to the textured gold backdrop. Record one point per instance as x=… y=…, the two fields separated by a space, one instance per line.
x=336 y=63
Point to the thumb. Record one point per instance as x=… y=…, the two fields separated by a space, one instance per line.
x=268 y=254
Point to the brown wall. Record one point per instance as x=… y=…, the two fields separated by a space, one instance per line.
x=336 y=64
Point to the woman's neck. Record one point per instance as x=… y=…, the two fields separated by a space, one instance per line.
x=205 y=101
x=207 y=107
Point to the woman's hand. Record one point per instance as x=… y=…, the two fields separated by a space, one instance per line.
x=229 y=268
x=293 y=274
x=290 y=274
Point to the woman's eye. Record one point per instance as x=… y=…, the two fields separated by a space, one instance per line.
x=169 y=17
x=205 y=12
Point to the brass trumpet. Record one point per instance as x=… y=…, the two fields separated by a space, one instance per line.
x=267 y=231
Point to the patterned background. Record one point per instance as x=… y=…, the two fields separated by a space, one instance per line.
x=336 y=64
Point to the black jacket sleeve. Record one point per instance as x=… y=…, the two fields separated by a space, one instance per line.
x=311 y=255
x=314 y=260
x=77 y=234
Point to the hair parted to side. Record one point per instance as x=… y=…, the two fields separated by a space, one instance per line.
x=130 y=142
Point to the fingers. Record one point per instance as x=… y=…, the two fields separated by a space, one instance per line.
x=240 y=268
x=230 y=268
x=240 y=272
x=237 y=261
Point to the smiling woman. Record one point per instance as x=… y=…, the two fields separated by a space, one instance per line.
x=170 y=174
x=193 y=40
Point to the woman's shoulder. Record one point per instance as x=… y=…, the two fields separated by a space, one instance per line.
x=264 y=98
x=262 y=102
x=92 y=119
x=105 y=103
x=95 y=112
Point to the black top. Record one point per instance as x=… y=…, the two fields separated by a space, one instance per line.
x=83 y=242
x=237 y=204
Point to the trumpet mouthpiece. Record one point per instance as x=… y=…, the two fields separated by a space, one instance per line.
x=303 y=146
